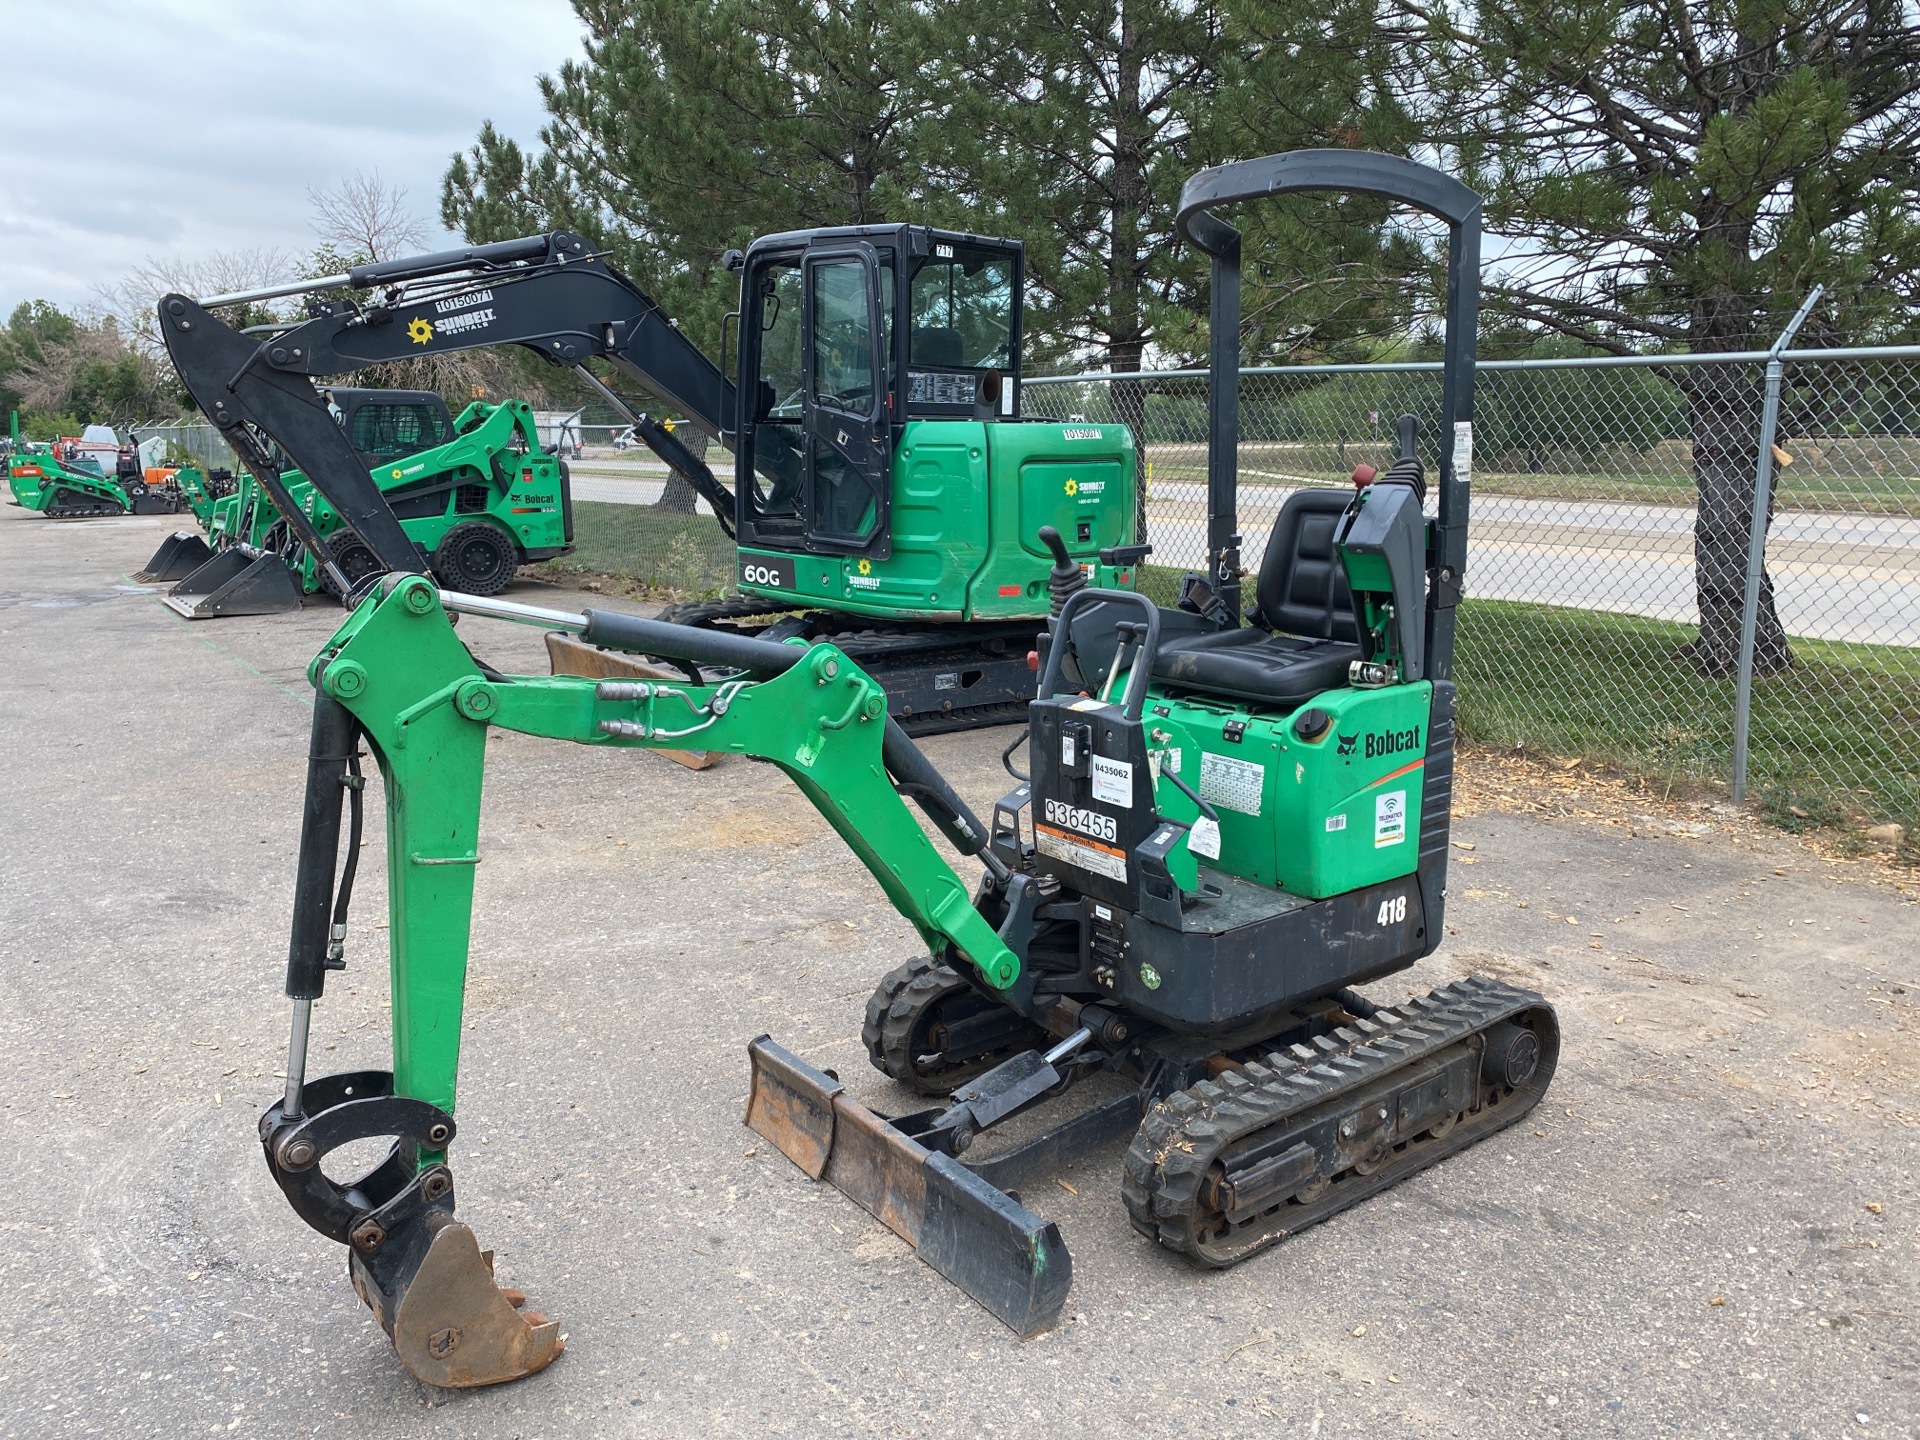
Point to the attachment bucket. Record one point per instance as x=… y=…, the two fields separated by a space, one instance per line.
x=240 y=581
x=179 y=555
x=982 y=1239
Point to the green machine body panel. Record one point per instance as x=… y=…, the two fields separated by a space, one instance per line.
x=1312 y=817
x=968 y=500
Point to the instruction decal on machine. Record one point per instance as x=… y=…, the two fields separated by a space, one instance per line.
x=1231 y=784
x=1389 y=819
x=1113 y=781
x=1203 y=839
x=1463 y=451
x=1081 y=853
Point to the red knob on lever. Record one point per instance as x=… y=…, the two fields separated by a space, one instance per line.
x=1033 y=660
x=1363 y=476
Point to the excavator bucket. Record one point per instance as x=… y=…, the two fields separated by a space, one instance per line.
x=179 y=555
x=239 y=581
x=434 y=1295
x=982 y=1239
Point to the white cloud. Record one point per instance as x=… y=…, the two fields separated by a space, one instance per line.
x=168 y=128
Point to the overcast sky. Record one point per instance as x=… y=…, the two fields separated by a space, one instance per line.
x=159 y=128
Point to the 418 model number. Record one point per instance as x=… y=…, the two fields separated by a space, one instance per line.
x=1393 y=912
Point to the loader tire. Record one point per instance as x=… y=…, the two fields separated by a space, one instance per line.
x=355 y=559
x=476 y=558
x=906 y=1027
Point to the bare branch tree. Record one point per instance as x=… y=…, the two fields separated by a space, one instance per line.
x=365 y=216
x=131 y=300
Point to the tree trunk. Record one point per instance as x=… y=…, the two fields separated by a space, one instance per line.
x=1723 y=404
x=679 y=496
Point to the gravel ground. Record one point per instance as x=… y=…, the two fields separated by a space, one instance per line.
x=1706 y=1229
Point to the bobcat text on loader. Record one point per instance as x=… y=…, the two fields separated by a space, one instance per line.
x=887 y=490
x=1226 y=823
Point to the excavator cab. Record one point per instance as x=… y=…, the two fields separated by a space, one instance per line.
x=847 y=335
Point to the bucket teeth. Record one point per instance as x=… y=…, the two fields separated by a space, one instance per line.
x=982 y=1239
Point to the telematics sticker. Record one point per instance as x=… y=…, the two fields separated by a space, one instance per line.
x=1113 y=782
x=1236 y=784
x=1389 y=819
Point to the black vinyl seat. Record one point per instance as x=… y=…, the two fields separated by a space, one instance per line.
x=1301 y=594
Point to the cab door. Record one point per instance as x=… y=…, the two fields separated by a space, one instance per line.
x=848 y=436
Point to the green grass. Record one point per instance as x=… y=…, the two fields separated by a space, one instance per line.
x=657 y=553
x=1834 y=743
x=1810 y=492
x=1835 y=740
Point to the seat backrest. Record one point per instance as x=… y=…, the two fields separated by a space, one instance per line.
x=938 y=345
x=1302 y=588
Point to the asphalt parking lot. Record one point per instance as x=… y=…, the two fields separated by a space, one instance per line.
x=1707 y=1229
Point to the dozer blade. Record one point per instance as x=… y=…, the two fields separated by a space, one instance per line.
x=431 y=1287
x=236 y=582
x=179 y=555
x=982 y=1239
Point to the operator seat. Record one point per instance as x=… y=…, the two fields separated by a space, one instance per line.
x=939 y=345
x=1304 y=634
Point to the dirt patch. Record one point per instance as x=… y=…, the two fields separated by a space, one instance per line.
x=1498 y=782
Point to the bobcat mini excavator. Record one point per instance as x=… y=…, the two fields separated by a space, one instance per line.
x=1227 y=821
x=887 y=493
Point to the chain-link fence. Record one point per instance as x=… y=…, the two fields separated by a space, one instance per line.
x=1608 y=562
x=193 y=442
x=1608 y=556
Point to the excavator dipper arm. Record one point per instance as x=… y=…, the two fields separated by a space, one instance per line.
x=396 y=676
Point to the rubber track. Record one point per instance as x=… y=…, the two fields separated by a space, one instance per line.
x=1181 y=1138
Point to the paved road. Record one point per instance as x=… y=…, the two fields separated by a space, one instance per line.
x=1836 y=577
x=1733 y=1120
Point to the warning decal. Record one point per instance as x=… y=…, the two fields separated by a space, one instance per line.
x=1084 y=854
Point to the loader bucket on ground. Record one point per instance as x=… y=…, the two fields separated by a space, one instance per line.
x=236 y=582
x=982 y=1239
x=179 y=555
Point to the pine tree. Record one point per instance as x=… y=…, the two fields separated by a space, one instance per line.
x=1685 y=171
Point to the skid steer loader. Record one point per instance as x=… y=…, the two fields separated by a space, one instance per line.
x=61 y=481
x=1226 y=822
x=476 y=492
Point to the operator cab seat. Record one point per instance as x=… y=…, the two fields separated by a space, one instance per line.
x=1302 y=595
x=939 y=345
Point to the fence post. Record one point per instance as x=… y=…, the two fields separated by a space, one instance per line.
x=1757 y=544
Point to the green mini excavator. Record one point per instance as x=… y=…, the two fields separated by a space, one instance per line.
x=1229 y=816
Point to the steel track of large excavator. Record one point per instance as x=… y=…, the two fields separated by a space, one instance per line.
x=1234 y=1164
